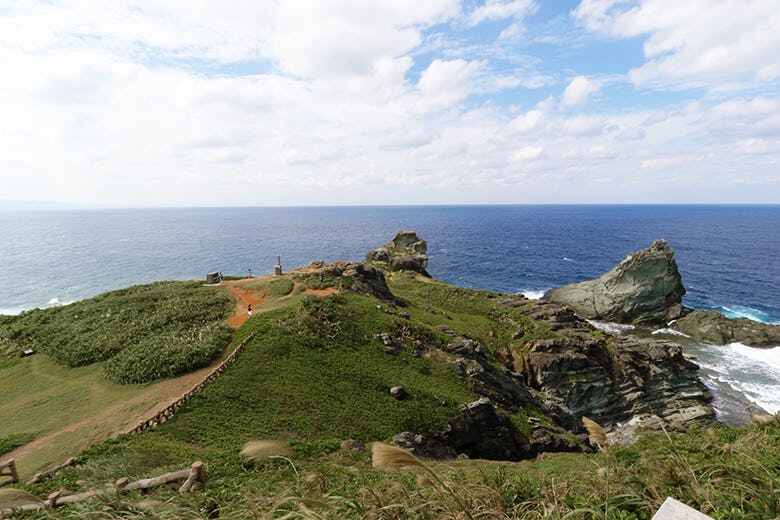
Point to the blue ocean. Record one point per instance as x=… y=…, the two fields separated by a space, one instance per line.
x=729 y=256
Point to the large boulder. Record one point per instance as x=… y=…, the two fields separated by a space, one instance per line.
x=714 y=327
x=644 y=289
x=406 y=251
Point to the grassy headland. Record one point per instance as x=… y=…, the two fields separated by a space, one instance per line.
x=315 y=374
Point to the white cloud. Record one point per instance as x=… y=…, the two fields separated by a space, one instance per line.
x=526 y=122
x=527 y=153
x=578 y=91
x=447 y=81
x=631 y=134
x=191 y=103
x=501 y=9
x=583 y=126
x=696 y=42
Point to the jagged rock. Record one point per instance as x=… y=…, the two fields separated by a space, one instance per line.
x=399 y=392
x=480 y=434
x=610 y=379
x=644 y=289
x=544 y=440
x=467 y=348
x=425 y=446
x=714 y=327
x=406 y=251
x=484 y=434
x=366 y=279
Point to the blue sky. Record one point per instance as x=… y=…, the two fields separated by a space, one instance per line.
x=333 y=102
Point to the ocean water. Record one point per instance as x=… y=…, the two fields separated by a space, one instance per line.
x=729 y=256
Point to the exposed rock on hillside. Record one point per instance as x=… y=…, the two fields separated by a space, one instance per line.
x=361 y=278
x=608 y=378
x=644 y=289
x=406 y=251
x=714 y=327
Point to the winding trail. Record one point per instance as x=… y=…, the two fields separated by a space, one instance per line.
x=47 y=449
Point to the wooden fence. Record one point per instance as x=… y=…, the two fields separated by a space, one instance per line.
x=167 y=412
x=8 y=469
x=43 y=475
x=191 y=477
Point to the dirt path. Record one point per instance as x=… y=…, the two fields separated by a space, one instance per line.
x=47 y=449
x=245 y=298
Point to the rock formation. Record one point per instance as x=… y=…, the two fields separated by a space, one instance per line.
x=362 y=278
x=608 y=378
x=406 y=251
x=644 y=289
x=714 y=327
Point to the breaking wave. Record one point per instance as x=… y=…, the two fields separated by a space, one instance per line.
x=741 y=311
x=753 y=372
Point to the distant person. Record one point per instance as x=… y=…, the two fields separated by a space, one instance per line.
x=322 y=277
x=249 y=273
x=249 y=310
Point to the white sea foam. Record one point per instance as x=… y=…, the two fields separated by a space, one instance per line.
x=54 y=302
x=613 y=328
x=754 y=372
x=11 y=311
x=741 y=311
x=532 y=294
x=671 y=332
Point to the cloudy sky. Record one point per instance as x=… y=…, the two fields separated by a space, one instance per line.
x=332 y=102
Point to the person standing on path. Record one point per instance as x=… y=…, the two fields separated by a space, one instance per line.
x=249 y=310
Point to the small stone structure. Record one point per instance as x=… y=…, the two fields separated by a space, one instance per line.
x=214 y=278
x=278 y=266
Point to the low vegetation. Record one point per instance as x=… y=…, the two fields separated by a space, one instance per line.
x=144 y=332
x=285 y=431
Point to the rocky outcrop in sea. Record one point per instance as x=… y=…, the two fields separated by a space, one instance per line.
x=406 y=251
x=644 y=289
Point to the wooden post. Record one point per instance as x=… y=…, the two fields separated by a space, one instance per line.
x=14 y=474
x=195 y=477
x=52 y=501
x=121 y=484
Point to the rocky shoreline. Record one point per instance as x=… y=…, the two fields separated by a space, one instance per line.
x=646 y=290
x=623 y=382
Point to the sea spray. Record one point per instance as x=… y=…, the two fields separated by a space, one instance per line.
x=750 y=371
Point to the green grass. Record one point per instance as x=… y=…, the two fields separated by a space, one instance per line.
x=728 y=474
x=145 y=332
x=312 y=375
x=13 y=441
x=475 y=314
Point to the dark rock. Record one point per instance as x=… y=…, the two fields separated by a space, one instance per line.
x=425 y=446
x=399 y=392
x=366 y=279
x=467 y=348
x=609 y=379
x=352 y=445
x=644 y=289
x=714 y=327
x=484 y=434
x=544 y=440
x=406 y=251
x=213 y=278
